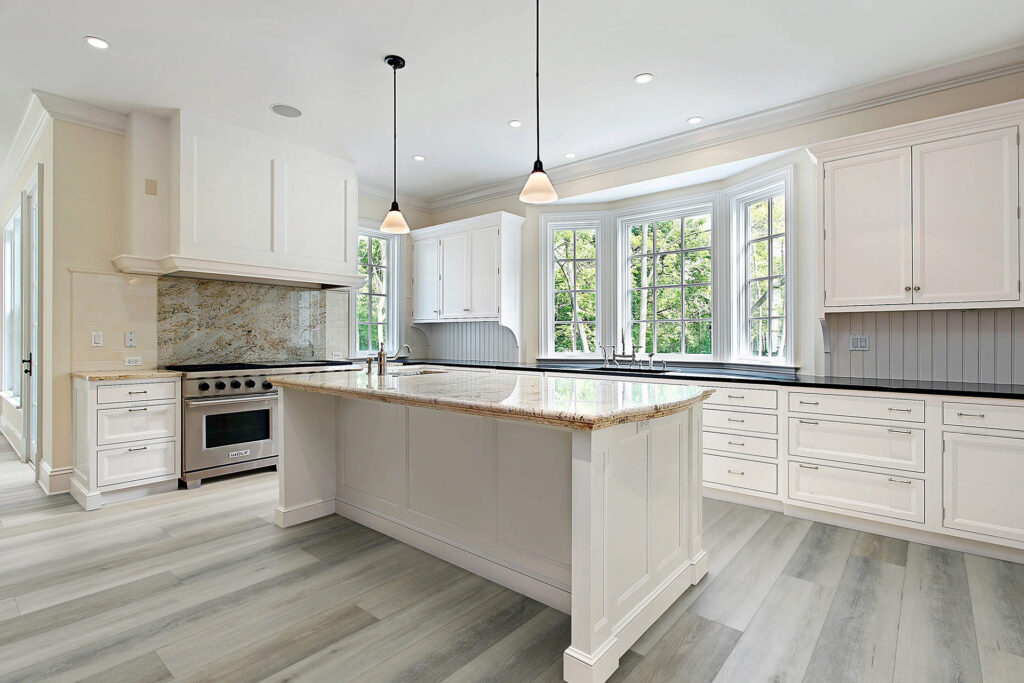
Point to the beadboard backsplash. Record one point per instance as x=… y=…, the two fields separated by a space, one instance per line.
x=471 y=341
x=957 y=346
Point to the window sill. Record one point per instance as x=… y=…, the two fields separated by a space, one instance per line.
x=10 y=399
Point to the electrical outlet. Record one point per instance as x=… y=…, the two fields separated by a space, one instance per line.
x=859 y=342
x=130 y=339
x=97 y=339
x=133 y=361
x=337 y=355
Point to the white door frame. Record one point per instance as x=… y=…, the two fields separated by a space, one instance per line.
x=31 y=312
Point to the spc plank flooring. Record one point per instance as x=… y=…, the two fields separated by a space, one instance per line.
x=995 y=589
x=8 y=609
x=693 y=650
x=147 y=668
x=822 y=554
x=881 y=548
x=521 y=655
x=1001 y=666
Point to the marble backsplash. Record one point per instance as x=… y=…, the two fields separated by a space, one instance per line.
x=215 y=321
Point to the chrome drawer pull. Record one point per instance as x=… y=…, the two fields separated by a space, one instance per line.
x=959 y=414
x=900 y=481
x=735 y=395
x=899 y=431
x=137 y=410
x=737 y=443
x=734 y=419
x=739 y=472
x=138 y=448
x=137 y=392
x=808 y=467
x=899 y=410
x=808 y=403
x=808 y=422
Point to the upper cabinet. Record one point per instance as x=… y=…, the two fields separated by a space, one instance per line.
x=241 y=205
x=468 y=271
x=924 y=216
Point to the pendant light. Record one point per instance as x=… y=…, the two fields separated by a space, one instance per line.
x=394 y=221
x=538 y=188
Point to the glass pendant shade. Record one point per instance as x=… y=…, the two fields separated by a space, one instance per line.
x=394 y=221
x=538 y=188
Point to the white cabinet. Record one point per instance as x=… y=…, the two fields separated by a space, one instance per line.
x=468 y=271
x=924 y=216
x=869 y=493
x=983 y=477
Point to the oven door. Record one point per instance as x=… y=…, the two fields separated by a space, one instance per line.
x=224 y=431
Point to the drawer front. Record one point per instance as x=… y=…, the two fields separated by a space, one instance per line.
x=744 y=474
x=118 y=425
x=900 y=448
x=134 y=463
x=741 y=445
x=745 y=398
x=909 y=410
x=128 y=393
x=981 y=415
x=733 y=419
x=867 y=492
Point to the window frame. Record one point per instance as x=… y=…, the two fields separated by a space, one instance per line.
x=549 y=223
x=11 y=265
x=395 y=258
x=739 y=197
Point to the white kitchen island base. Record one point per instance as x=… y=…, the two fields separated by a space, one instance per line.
x=603 y=524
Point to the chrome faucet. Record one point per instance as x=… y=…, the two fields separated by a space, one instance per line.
x=382 y=358
x=615 y=356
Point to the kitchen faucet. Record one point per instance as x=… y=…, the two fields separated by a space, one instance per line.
x=382 y=357
x=616 y=356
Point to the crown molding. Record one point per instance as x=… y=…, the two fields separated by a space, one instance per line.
x=828 y=105
x=73 y=111
x=407 y=200
x=30 y=131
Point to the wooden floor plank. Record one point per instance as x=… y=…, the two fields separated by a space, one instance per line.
x=881 y=548
x=821 y=556
x=521 y=655
x=8 y=608
x=147 y=668
x=692 y=650
x=1001 y=667
x=996 y=589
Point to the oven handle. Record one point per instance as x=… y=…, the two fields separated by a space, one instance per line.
x=225 y=401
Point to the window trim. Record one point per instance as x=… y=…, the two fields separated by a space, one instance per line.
x=562 y=221
x=739 y=196
x=395 y=293
x=10 y=238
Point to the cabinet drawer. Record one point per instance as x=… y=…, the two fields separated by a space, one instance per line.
x=127 y=393
x=133 y=463
x=910 y=410
x=744 y=474
x=741 y=445
x=118 y=425
x=981 y=415
x=733 y=419
x=745 y=398
x=867 y=492
x=877 y=445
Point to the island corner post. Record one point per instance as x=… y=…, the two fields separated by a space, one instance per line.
x=603 y=524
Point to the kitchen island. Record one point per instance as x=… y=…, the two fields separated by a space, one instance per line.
x=582 y=493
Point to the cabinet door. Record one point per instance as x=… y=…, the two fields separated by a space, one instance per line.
x=426 y=280
x=965 y=219
x=868 y=256
x=982 y=479
x=455 y=276
x=483 y=273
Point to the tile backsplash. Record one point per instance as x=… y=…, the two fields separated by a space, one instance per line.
x=112 y=304
x=209 y=321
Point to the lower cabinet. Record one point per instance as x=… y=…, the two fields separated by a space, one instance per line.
x=134 y=463
x=983 y=485
x=866 y=492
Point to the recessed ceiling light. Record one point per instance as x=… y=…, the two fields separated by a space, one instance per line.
x=643 y=78
x=570 y=155
x=694 y=120
x=418 y=157
x=515 y=123
x=286 y=110
x=97 y=43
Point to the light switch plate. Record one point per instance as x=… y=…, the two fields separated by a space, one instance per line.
x=150 y=187
x=859 y=342
x=337 y=355
x=130 y=339
x=133 y=361
x=97 y=339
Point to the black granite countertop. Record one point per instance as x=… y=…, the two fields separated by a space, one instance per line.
x=756 y=376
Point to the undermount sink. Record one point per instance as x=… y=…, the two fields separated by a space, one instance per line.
x=416 y=371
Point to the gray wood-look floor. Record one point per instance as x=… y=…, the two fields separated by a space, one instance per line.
x=201 y=586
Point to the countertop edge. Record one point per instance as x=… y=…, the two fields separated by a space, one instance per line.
x=114 y=375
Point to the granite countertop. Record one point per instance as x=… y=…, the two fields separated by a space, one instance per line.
x=108 y=375
x=756 y=376
x=584 y=404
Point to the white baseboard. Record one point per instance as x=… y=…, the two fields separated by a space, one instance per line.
x=286 y=517
x=54 y=480
x=83 y=497
x=12 y=433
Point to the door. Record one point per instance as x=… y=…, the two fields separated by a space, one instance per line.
x=455 y=276
x=965 y=219
x=426 y=280
x=483 y=273
x=982 y=479
x=30 y=313
x=868 y=258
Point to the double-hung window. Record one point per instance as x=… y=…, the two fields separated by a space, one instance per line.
x=669 y=275
x=373 y=309
x=12 y=305
x=572 y=324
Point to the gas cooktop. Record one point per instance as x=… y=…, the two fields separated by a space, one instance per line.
x=261 y=365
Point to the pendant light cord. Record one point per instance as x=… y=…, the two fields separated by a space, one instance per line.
x=537 y=74
x=394 y=118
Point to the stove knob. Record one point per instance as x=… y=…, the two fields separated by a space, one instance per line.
x=220 y=385
x=250 y=383
x=204 y=386
x=267 y=386
x=235 y=384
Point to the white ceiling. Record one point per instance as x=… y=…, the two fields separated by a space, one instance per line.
x=471 y=68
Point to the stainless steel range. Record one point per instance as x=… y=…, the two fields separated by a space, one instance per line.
x=229 y=415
